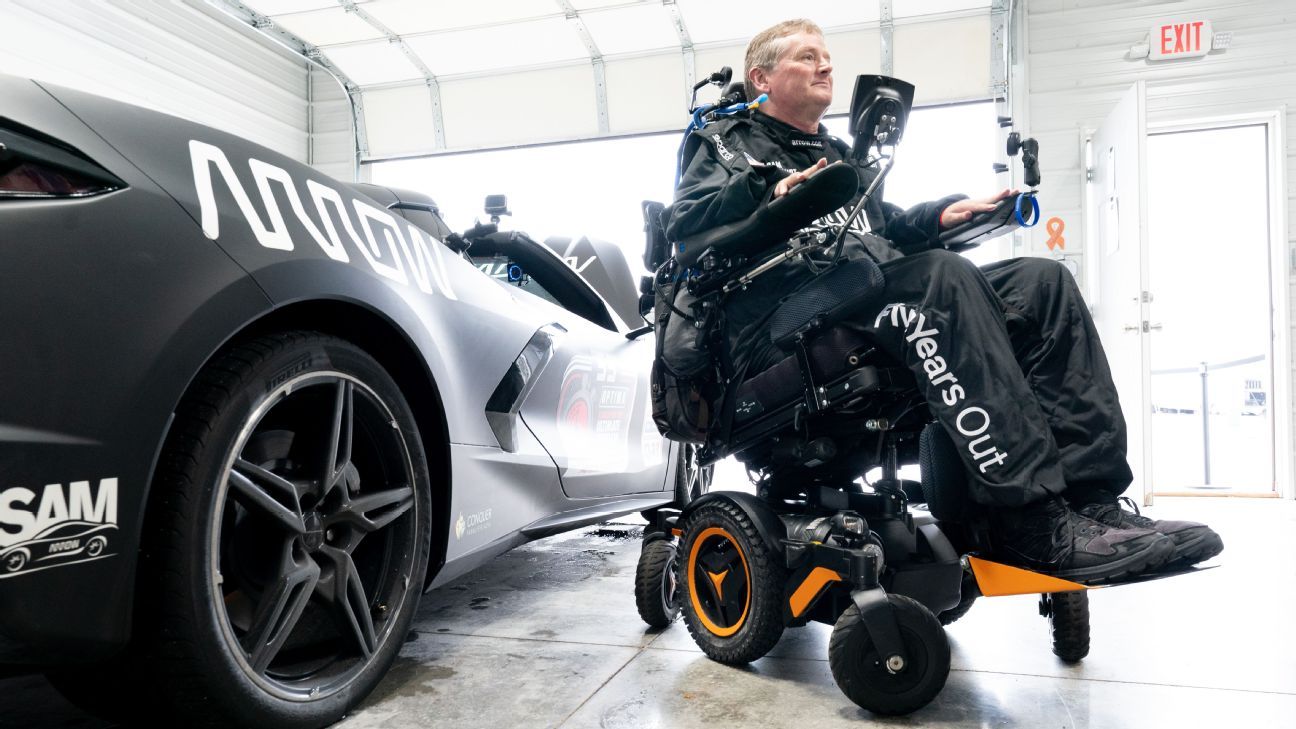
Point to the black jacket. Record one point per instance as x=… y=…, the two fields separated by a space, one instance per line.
x=731 y=166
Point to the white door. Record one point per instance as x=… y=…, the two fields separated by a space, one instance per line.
x=1212 y=418
x=1117 y=291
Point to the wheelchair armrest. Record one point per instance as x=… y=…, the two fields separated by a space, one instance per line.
x=1008 y=214
x=776 y=221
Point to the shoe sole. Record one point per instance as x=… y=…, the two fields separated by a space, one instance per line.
x=1153 y=557
x=1197 y=550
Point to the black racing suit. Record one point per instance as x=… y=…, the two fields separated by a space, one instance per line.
x=1006 y=356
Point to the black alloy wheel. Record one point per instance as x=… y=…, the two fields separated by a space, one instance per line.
x=291 y=532
x=692 y=480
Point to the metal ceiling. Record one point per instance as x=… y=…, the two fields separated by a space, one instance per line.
x=587 y=68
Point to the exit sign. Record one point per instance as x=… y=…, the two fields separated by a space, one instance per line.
x=1180 y=39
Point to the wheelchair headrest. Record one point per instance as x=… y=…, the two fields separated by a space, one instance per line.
x=734 y=93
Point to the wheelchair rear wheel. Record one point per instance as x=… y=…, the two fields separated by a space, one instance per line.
x=863 y=676
x=656 y=584
x=732 y=586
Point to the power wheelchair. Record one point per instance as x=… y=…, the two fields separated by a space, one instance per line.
x=887 y=563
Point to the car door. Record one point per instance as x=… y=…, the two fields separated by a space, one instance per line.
x=589 y=405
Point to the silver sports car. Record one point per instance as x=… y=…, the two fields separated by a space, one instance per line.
x=297 y=406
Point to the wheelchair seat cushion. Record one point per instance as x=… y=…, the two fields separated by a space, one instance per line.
x=835 y=295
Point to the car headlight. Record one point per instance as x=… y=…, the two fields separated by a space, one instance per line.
x=35 y=166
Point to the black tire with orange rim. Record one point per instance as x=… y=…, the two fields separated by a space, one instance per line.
x=731 y=584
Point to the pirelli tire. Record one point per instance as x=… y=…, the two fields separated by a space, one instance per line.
x=732 y=586
x=657 y=593
x=286 y=540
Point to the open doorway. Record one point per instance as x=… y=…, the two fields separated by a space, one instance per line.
x=1210 y=309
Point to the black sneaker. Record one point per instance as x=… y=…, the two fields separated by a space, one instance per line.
x=1048 y=537
x=1193 y=542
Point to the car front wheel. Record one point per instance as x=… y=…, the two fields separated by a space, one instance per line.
x=287 y=536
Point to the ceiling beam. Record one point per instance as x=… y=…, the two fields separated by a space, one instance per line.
x=686 y=50
x=268 y=28
x=429 y=78
x=596 y=58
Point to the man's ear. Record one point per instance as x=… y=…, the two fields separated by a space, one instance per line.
x=759 y=79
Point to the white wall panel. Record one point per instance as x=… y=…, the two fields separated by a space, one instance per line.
x=516 y=108
x=947 y=60
x=946 y=55
x=332 y=132
x=709 y=60
x=399 y=121
x=647 y=94
x=853 y=53
x=182 y=59
x=1078 y=65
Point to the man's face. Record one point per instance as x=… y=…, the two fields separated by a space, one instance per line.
x=802 y=78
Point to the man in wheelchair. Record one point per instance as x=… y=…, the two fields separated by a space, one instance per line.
x=1006 y=357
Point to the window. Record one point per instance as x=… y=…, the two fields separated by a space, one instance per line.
x=424 y=217
x=595 y=188
x=508 y=273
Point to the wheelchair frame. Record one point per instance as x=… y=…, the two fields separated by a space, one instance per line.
x=830 y=551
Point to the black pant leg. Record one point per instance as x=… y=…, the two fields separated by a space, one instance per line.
x=1057 y=346
x=943 y=320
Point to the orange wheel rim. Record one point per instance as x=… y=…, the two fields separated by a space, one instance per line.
x=712 y=569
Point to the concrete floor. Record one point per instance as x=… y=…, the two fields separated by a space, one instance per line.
x=548 y=636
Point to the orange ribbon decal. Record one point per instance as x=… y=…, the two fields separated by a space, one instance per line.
x=1055 y=226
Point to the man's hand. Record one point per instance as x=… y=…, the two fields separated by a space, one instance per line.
x=796 y=178
x=962 y=211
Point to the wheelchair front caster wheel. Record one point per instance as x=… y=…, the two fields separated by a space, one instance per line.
x=656 y=583
x=1068 y=614
x=865 y=676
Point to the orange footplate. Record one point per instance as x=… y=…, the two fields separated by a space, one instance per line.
x=994 y=580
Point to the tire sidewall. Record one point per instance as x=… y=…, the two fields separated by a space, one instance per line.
x=222 y=672
x=912 y=617
x=763 y=623
x=658 y=559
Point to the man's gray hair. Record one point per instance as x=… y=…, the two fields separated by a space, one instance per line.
x=769 y=44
